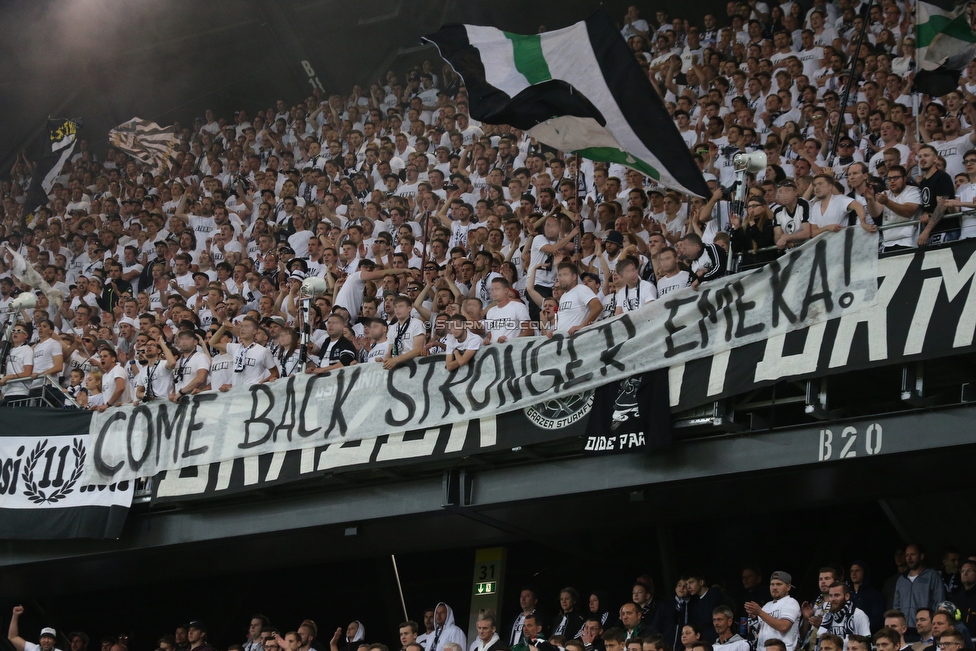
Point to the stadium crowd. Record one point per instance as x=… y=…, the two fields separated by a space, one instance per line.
x=438 y=235
x=919 y=608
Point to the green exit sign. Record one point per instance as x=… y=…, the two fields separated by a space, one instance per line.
x=486 y=587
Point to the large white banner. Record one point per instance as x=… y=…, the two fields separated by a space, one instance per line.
x=43 y=492
x=833 y=275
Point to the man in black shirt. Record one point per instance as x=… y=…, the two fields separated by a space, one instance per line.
x=337 y=351
x=934 y=183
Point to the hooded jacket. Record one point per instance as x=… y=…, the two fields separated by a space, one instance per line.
x=446 y=632
x=924 y=592
x=869 y=599
x=353 y=643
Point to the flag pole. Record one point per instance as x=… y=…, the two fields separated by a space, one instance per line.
x=579 y=210
x=851 y=81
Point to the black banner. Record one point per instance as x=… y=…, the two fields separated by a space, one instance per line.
x=42 y=493
x=630 y=416
x=926 y=309
x=555 y=419
x=56 y=151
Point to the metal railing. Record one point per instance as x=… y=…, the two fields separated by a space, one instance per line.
x=770 y=249
x=48 y=394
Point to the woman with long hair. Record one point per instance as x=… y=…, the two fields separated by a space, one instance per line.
x=288 y=352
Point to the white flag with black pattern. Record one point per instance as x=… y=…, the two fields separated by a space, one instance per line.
x=146 y=141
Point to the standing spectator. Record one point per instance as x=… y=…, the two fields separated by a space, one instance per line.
x=252 y=362
x=408 y=634
x=900 y=203
x=865 y=596
x=919 y=586
x=488 y=639
x=428 y=612
x=578 y=305
x=461 y=343
x=630 y=618
x=337 y=350
x=532 y=636
x=20 y=363
x=115 y=380
x=528 y=602
x=190 y=376
x=47 y=353
x=409 y=335
x=45 y=641
x=888 y=590
x=843 y=618
x=753 y=588
x=506 y=319
x=706 y=261
x=79 y=641
x=568 y=622
x=196 y=636
x=964 y=595
x=445 y=630
x=950 y=564
x=635 y=294
x=778 y=619
x=935 y=186
x=725 y=636
x=923 y=629
x=704 y=601
x=254 y=641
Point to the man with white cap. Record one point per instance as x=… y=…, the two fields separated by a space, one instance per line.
x=779 y=619
x=46 y=640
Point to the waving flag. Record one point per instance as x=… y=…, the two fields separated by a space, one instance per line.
x=146 y=141
x=577 y=89
x=946 y=44
x=58 y=147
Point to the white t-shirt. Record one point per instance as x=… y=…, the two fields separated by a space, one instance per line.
x=878 y=158
x=967 y=193
x=255 y=360
x=505 y=321
x=375 y=354
x=157 y=377
x=543 y=277
x=400 y=336
x=574 y=306
x=186 y=369
x=953 y=151
x=786 y=608
x=630 y=300
x=350 y=295
x=108 y=385
x=471 y=342
x=221 y=371
x=666 y=284
x=45 y=353
x=906 y=235
x=19 y=358
x=836 y=213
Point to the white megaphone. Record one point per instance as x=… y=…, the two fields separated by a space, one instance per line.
x=754 y=162
x=312 y=287
x=25 y=301
x=742 y=163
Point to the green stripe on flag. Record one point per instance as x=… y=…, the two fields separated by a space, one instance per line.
x=611 y=155
x=960 y=29
x=529 y=59
x=928 y=30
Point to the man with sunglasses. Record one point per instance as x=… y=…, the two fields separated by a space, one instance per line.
x=20 y=363
x=900 y=203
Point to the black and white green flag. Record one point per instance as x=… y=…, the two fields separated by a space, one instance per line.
x=577 y=89
x=946 y=43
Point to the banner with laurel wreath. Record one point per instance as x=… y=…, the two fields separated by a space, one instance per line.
x=42 y=496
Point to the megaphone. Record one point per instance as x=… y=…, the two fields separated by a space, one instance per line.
x=25 y=301
x=311 y=287
x=754 y=162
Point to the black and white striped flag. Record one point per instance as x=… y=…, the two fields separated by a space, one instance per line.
x=146 y=141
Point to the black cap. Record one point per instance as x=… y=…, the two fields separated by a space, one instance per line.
x=199 y=625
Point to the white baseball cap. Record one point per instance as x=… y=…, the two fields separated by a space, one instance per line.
x=48 y=631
